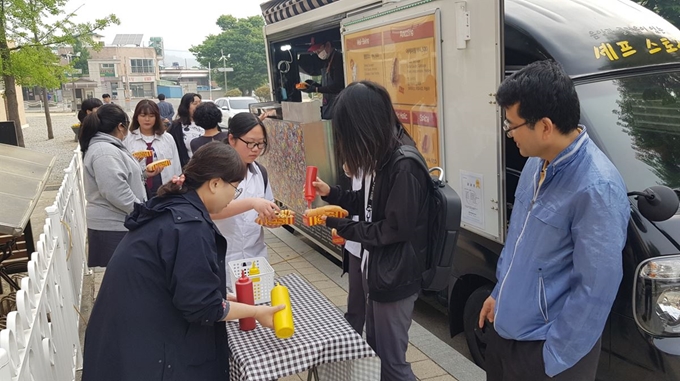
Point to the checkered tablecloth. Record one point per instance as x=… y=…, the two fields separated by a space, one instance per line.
x=322 y=338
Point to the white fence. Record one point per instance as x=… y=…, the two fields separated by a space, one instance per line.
x=41 y=340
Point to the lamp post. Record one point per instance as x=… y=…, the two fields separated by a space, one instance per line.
x=209 y=80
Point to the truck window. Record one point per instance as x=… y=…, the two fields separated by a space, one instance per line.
x=636 y=122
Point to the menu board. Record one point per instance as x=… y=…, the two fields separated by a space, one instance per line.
x=402 y=57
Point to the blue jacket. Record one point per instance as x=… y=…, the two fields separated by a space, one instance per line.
x=561 y=266
x=157 y=314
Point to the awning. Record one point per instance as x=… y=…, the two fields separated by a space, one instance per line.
x=277 y=10
x=24 y=173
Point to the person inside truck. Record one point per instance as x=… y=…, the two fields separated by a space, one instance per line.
x=394 y=232
x=332 y=76
x=561 y=266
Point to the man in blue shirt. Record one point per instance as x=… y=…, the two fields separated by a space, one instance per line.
x=560 y=269
x=166 y=110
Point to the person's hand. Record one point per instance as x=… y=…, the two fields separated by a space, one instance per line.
x=231 y=297
x=265 y=208
x=487 y=312
x=265 y=315
x=311 y=83
x=154 y=172
x=321 y=187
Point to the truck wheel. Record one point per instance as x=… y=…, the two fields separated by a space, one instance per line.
x=475 y=337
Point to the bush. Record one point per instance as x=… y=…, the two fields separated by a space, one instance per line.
x=234 y=93
x=263 y=93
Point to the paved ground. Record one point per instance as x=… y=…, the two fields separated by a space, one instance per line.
x=431 y=358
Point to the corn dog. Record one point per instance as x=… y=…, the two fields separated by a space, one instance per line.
x=157 y=164
x=139 y=155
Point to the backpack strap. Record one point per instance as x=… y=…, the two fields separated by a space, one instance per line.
x=410 y=152
x=265 y=176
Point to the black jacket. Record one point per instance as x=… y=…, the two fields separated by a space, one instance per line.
x=157 y=313
x=397 y=236
x=176 y=132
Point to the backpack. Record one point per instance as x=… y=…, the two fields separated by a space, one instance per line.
x=265 y=176
x=444 y=207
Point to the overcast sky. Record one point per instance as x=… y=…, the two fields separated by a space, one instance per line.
x=180 y=26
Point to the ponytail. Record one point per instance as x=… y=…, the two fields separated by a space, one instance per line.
x=105 y=119
x=211 y=161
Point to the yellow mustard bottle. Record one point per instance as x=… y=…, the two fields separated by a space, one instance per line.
x=254 y=270
x=283 y=320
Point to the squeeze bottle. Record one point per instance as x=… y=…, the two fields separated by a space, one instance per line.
x=254 y=270
x=310 y=191
x=283 y=320
x=244 y=294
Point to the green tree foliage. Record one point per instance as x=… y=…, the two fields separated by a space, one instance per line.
x=242 y=39
x=29 y=29
x=668 y=9
x=80 y=61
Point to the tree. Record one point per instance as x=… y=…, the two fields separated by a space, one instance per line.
x=668 y=9
x=80 y=61
x=242 y=39
x=28 y=30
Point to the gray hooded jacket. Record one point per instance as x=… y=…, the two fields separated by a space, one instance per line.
x=113 y=183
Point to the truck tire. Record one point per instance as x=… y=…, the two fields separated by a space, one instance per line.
x=476 y=337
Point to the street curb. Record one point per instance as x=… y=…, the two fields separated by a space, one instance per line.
x=442 y=354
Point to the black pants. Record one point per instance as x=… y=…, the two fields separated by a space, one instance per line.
x=511 y=360
x=356 y=297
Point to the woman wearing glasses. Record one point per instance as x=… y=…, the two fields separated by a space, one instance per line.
x=113 y=180
x=237 y=221
x=161 y=310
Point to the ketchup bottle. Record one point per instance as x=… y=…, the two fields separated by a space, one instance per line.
x=244 y=294
x=310 y=191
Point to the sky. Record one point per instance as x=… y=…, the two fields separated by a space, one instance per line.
x=181 y=27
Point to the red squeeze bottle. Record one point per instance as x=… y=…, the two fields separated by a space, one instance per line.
x=310 y=191
x=244 y=294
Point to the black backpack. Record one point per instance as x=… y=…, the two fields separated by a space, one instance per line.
x=444 y=207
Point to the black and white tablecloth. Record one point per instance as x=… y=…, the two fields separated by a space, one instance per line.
x=322 y=338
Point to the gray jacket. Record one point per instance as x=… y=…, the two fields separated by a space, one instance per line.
x=113 y=183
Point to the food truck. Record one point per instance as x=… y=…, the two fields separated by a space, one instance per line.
x=442 y=61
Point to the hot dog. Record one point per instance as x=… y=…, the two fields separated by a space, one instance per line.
x=157 y=164
x=142 y=154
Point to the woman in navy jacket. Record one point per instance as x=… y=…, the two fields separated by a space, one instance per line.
x=160 y=312
x=394 y=232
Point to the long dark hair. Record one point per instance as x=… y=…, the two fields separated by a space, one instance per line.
x=213 y=160
x=88 y=105
x=146 y=106
x=183 y=115
x=242 y=123
x=365 y=126
x=106 y=119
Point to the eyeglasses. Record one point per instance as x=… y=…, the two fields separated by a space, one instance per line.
x=252 y=145
x=237 y=192
x=507 y=129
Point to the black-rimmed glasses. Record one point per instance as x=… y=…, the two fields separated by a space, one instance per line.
x=252 y=145
x=508 y=129
x=237 y=192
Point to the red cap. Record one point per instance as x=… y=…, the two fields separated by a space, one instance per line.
x=314 y=46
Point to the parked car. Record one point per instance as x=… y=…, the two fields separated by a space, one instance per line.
x=231 y=106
